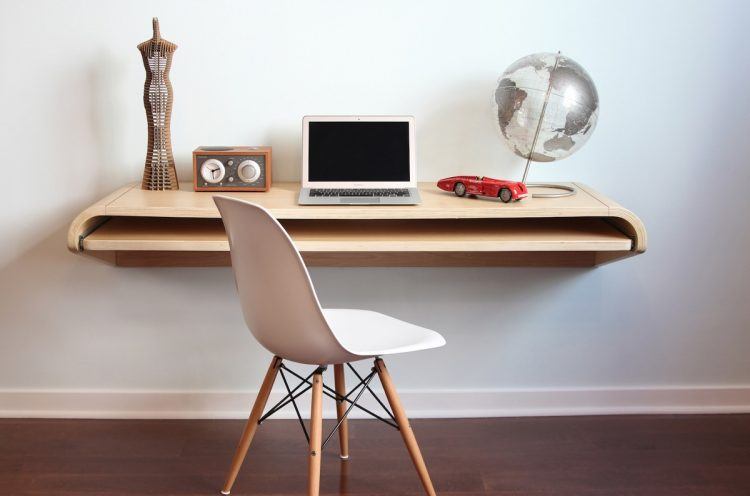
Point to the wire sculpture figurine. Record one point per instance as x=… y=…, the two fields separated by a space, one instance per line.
x=159 y=172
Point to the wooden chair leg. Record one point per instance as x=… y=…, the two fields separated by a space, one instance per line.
x=338 y=374
x=316 y=434
x=252 y=424
x=404 y=427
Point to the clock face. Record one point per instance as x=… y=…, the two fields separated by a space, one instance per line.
x=212 y=171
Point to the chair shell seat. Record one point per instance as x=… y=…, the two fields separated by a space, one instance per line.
x=281 y=307
x=368 y=334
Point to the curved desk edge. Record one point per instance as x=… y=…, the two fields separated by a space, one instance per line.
x=622 y=218
x=91 y=218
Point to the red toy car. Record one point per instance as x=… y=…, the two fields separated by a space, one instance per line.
x=484 y=186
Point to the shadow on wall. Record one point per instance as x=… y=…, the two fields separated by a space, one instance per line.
x=452 y=139
x=480 y=311
x=287 y=151
x=448 y=139
x=72 y=322
x=105 y=78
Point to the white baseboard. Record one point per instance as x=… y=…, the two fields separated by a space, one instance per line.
x=418 y=403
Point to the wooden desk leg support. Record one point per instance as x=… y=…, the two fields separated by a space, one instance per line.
x=338 y=373
x=316 y=433
x=252 y=424
x=404 y=427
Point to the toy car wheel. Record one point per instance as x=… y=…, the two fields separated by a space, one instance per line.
x=505 y=195
x=459 y=189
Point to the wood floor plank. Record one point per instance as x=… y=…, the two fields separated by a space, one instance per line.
x=560 y=456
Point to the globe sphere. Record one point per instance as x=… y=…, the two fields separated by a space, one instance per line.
x=546 y=106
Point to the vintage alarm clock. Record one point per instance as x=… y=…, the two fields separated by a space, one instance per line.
x=232 y=168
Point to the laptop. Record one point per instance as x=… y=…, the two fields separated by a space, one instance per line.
x=358 y=160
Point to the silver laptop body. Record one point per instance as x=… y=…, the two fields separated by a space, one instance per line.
x=359 y=160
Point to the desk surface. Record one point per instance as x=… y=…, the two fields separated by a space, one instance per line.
x=281 y=201
x=136 y=227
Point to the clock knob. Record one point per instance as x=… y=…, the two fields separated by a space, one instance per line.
x=248 y=171
x=212 y=171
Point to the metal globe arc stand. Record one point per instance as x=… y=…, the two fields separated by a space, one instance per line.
x=566 y=190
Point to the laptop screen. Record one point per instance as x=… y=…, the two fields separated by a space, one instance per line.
x=347 y=151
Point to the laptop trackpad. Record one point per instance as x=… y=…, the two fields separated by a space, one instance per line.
x=358 y=199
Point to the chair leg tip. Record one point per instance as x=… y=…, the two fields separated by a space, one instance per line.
x=344 y=457
x=225 y=492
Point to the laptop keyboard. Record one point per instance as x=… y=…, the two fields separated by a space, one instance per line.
x=380 y=192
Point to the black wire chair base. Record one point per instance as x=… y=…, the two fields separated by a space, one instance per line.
x=305 y=385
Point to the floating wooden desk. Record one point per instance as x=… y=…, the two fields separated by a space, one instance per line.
x=133 y=227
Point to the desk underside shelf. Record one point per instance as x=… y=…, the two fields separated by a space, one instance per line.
x=132 y=227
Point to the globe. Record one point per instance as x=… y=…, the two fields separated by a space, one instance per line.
x=546 y=106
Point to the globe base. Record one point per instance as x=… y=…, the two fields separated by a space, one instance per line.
x=566 y=190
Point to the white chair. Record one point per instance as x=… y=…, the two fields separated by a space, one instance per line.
x=282 y=311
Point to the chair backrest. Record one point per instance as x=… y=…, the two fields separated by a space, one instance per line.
x=278 y=300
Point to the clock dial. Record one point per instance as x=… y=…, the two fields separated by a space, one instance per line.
x=212 y=171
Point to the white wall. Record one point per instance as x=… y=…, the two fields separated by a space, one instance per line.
x=671 y=144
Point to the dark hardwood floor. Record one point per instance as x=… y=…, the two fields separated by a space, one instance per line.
x=577 y=456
